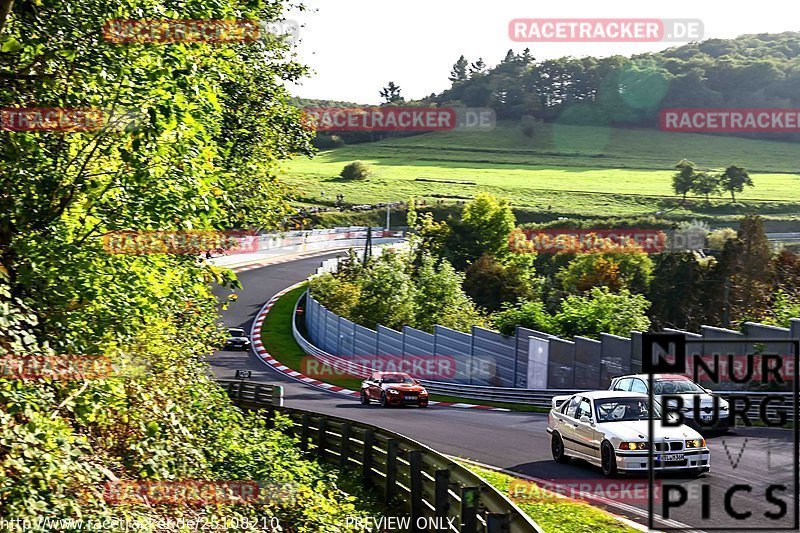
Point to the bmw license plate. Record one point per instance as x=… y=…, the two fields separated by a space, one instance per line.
x=409 y=397
x=673 y=457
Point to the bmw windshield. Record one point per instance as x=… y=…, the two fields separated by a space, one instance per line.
x=624 y=409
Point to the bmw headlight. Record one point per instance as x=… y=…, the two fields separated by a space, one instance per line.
x=633 y=446
x=423 y=392
x=392 y=391
x=696 y=443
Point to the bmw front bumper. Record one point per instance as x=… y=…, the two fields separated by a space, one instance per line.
x=636 y=461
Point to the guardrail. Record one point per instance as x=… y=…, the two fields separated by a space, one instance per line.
x=417 y=479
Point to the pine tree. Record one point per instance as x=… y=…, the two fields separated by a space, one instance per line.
x=391 y=93
x=459 y=71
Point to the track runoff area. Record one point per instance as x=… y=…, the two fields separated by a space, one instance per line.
x=759 y=379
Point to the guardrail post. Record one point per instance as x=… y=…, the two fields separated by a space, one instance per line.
x=344 y=453
x=392 y=445
x=277 y=395
x=239 y=392
x=304 y=432
x=257 y=393
x=442 y=497
x=323 y=440
x=415 y=462
x=497 y=522
x=469 y=509
x=366 y=467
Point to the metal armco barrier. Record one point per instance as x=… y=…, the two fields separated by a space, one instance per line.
x=418 y=480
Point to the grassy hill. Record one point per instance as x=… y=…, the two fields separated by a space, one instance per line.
x=565 y=169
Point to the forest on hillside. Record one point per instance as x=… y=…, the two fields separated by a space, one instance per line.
x=750 y=71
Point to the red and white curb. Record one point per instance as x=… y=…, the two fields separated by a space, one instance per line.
x=264 y=356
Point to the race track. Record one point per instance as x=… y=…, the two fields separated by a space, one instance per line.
x=757 y=457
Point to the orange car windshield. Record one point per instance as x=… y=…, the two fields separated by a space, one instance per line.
x=397 y=379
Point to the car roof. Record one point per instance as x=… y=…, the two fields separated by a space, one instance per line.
x=387 y=373
x=603 y=394
x=672 y=377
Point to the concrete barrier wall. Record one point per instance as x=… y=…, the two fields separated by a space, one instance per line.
x=485 y=357
x=491 y=349
x=588 y=354
x=390 y=342
x=457 y=346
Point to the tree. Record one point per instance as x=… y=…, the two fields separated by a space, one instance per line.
x=526 y=58
x=490 y=283
x=391 y=93
x=477 y=68
x=459 y=71
x=784 y=308
x=338 y=295
x=440 y=300
x=786 y=271
x=485 y=226
x=753 y=276
x=357 y=170
x=706 y=183
x=680 y=291
x=211 y=121
x=631 y=270
x=683 y=180
x=601 y=311
x=387 y=294
x=529 y=314
x=734 y=180
x=717 y=238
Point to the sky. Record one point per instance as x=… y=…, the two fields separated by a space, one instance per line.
x=355 y=47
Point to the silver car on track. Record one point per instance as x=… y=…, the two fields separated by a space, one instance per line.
x=609 y=429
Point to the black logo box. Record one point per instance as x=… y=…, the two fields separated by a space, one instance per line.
x=678 y=366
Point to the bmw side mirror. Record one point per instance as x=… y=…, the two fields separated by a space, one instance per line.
x=585 y=419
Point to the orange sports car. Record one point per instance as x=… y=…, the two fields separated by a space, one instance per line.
x=393 y=388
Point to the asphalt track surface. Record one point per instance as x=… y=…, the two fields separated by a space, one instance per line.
x=754 y=457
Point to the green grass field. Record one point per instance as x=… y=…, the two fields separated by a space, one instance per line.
x=563 y=168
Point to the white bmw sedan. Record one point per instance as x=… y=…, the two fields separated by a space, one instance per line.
x=609 y=429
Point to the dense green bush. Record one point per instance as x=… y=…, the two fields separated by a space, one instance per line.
x=598 y=311
x=158 y=416
x=356 y=170
x=211 y=125
x=396 y=290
